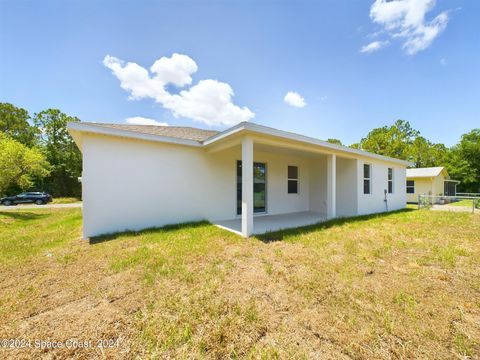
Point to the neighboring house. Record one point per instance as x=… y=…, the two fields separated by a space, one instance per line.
x=248 y=178
x=429 y=181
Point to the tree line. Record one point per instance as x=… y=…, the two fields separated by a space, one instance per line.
x=401 y=141
x=38 y=154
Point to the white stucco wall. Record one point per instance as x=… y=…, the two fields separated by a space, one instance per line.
x=318 y=184
x=279 y=201
x=374 y=202
x=346 y=189
x=132 y=184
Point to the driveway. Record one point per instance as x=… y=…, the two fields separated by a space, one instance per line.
x=33 y=206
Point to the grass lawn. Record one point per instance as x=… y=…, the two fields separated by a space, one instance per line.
x=399 y=285
x=65 y=200
x=464 y=203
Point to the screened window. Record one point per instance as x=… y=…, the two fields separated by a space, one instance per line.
x=450 y=188
x=293 y=180
x=390 y=180
x=367 y=178
x=410 y=187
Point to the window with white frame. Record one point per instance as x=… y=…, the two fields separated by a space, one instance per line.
x=390 y=180
x=293 y=180
x=410 y=187
x=367 y=178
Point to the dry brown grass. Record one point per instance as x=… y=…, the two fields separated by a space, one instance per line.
x=402 y=285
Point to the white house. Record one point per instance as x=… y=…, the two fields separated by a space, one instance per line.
x=429 y=181
x=249 y=178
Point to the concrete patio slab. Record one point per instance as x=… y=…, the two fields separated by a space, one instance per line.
x=267 y=223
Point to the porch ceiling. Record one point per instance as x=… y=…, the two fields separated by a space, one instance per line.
x=284 y=150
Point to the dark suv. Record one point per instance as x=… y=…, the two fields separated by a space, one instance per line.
x=38 y=198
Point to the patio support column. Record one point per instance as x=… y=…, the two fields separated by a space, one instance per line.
x=247 y=186
x=331 y=186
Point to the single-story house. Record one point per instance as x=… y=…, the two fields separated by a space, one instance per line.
x=429 y=181
x=248 y=179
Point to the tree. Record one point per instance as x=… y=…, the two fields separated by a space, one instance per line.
x=14 y=123
x=61 y=152
x=20 y=165
x=394 y=141
x=334 y=141
x=469 y=147
x=463 y=162
x=423 y=153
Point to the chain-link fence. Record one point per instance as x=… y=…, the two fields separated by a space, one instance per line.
x=450 y=203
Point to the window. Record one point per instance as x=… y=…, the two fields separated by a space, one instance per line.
x=293 y=180
x=410 y=187
x=367 y=176
x=390 y=180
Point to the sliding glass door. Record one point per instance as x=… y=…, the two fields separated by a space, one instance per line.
x=259 y=187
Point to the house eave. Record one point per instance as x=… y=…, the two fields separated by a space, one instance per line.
x=92 y=129
x=239 y=128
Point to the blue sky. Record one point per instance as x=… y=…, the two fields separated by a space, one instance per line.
x=52 y=54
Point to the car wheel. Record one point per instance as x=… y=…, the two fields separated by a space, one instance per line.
x=7 y=202
x=39 y=202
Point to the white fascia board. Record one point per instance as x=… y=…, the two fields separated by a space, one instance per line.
x=89 y=128
x=221 y=135
x=265 y=130
x=454 y=181
x=423 y=177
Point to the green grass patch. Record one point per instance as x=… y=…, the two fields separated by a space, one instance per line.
x=397 y=285
x=30 y=232
x=66 y=200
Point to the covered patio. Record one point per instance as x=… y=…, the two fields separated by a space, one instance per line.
x=268 y=223
x=324 y=184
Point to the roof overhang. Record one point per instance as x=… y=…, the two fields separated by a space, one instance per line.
x=77 y=129
x=252 y=128
x=421 y=177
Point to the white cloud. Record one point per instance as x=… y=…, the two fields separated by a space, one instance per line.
x=443 y=61
x=294 y=99
x=373 y=46
x=208 y=101
x=138 y=120
x=405 y=19
x=175 y=70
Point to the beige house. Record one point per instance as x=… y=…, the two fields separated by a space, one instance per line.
x=429 y=181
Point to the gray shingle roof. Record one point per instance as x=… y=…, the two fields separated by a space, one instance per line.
x=179 y=132
x=424 y=172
